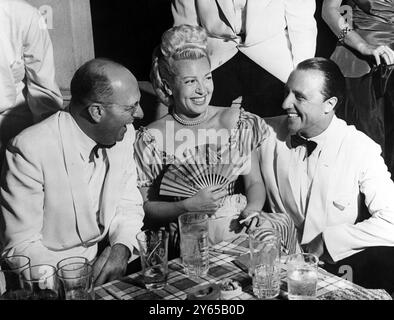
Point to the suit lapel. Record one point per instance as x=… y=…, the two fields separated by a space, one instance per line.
x=217 y=16
x=112 y=188
x=227 y=7
x=316 y=215
x=85 y=218
x=286 y=183
x=284 y=174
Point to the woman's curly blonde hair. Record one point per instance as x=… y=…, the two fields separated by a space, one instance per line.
x=184 y=42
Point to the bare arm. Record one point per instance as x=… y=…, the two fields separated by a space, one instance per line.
x=331 y=15
x=254 y=186
x=162 y=212
x=255 y=194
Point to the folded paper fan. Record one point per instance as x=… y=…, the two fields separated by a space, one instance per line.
x=200 y=168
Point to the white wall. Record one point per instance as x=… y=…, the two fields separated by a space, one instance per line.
x=70 y=27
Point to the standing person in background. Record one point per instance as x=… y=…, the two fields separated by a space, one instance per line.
x=254 y=45
x=28 y=90
x=365 y=56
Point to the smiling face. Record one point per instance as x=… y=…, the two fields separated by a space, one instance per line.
x=122 y=110
x=309 y=113
x=191 y=87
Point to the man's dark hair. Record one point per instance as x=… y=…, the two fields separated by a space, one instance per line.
x=334 y=81
x=90 y=82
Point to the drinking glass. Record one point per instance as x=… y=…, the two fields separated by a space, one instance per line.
x=264 y=245
x=193 y=229
x=302 y=275
x=71 y=260
x=10 y=284
x=41 y=282
x=76 y=278
x=153 y=247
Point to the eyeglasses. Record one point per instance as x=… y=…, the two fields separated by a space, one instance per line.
x=128 y=108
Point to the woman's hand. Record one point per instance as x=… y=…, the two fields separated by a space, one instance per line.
x=379 y=52
x=332 y=15
x=206 y=199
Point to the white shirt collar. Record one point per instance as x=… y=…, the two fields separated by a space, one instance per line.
x=84 y=143
x=320 y=138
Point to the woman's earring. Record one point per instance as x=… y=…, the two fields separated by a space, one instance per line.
x=167 y=90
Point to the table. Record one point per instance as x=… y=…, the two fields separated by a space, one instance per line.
x=223 y=265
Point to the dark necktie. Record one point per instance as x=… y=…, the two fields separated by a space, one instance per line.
x=296 y=140
x=100 y=146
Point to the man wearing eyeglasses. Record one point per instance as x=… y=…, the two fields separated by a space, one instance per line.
x=69 y=182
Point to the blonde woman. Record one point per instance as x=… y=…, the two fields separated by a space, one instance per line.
x=222 y=141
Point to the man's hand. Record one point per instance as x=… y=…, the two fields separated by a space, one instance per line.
x=18 y=70
x=253 y=220
x=316 y=246
x=111 y=264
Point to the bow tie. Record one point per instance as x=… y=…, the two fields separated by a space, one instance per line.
x=100 y=146
x=296 y=140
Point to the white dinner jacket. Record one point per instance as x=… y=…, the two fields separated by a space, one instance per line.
x=279 y=33
x=45 y=200
x=349 y=165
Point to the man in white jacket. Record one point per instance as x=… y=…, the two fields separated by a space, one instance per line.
x=70 y=181
x=254 y=45
x=28 y=90
x=323 y=172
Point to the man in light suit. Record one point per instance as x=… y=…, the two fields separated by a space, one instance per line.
x=28 y=89
x=320 y=171
x=69 y=181
x=254 y=45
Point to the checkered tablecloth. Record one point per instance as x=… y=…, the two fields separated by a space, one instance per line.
x=223 y=265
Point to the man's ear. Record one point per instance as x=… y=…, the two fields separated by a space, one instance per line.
x=330 y=104
x=96 y=111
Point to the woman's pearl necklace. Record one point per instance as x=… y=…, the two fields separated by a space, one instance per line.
x=190 y=122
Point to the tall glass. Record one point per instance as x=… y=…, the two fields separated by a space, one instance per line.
x=302 y=276
x=71 y=260
x=41 y=282
x=153 y=247
x=264 y=245
x=76 y=278
x=10 y=283
x=193 y=229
